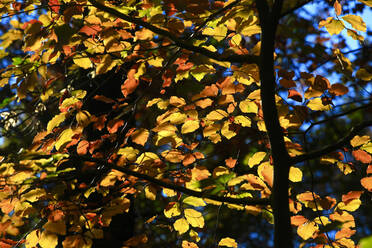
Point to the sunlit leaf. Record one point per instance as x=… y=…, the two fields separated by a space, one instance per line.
x=228 y=242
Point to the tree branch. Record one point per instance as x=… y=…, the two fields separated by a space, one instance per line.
x=281 y=160
x=243 y=201
x=253 y=59
x=337 y=115
x=342 y=142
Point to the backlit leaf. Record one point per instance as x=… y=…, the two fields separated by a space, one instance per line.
x=194 y=217
x=307 y=230
x=356 y=22
x=172 y=211
x=228 y=242
x=194 y=201
x=367 y=183
x=359 y=140
x=56 y=120
x=140 y=136
x=181 y=226
x=189 y=126
x=256 y=158
x=48 y=240
x=295 y=174
x=248 y=106
x=332 y=25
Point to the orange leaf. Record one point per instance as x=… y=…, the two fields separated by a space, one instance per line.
x=230 y=162
x=131 y=83
x=294 y=95
x=82 y=147
x=338 y=8
x=362 y=156
x=188 y=159
x=369 y=169
x=298 y=220
x=90 y=30
x=367 y=183
x=351 y=196
x=113 y=125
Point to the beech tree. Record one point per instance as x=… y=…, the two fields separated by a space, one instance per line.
x=173 y=123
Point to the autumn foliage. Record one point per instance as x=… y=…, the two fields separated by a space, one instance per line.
x=185 y=124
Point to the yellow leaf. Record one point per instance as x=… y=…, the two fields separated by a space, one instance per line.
x=242 y=120
x=140 y=136
x=173 y=156
x=56 y=120
x=83 y=118
x=129 y=152
x=190 y=126
x=256 y=158
x=225 y=130
x=150 y=193
x=295 y=174
x=82 y=61
x=181 y=226
x=177 y=101
x=216 y=115
x=176 y=118
x=169 y=192
x=307 y=230
x=367 y=147
x=32 y=239
x=317 y=105
x=356 y=22
x=350 y=206
x=251 y=30
x=228 y=242
x=69 y=102
x=366 y=2
x=248 y=106
x=236 y=39
x=64 y=138
x=152 y=102
x=194 y=235
x=20 y=177
x=187 y=244
x=34 y=195
x=146 y=158
x=194 y=217
x=332 y=25
x=48 y=240
x=199 y=72
x=79 y=94
x=156 y=62
x=358 y=141
x=219 y=32
x=194 y=201
x=172 y=211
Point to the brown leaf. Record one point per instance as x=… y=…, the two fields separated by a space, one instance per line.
x=338 y=89
x=287 y=83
